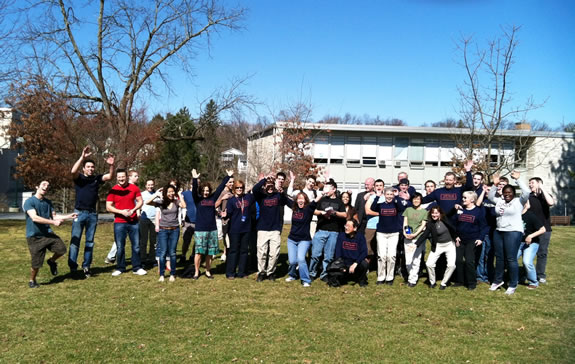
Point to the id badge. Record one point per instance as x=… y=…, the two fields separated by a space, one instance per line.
x=243 y=219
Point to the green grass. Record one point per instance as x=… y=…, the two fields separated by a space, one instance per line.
x=137 y=319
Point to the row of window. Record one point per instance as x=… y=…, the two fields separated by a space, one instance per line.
x=391 y=151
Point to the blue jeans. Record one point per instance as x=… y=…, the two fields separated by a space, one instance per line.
x=506 y=244
x=121 y=230
x=86 y=220
x=167 y=244
x=323 y=242
x=297 y=251
x=529 y=252
x=485 y=270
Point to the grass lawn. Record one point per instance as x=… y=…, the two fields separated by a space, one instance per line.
x=137 y=319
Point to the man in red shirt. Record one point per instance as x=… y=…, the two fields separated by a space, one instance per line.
x=124 y=200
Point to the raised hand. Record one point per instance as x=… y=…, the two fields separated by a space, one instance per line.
x=110 y=160
x=86 y=152
x=468 y=164
x=404 y=195
x=515 y=175
x=230 y=172
x=495 y=179
x=291 y=176
x=195 y=174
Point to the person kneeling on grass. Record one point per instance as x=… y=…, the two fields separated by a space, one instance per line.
x=352 y=249
x=40 y=237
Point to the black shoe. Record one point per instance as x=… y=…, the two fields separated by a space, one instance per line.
x=272 y=277
x=379 y=283
x=324 y=279
x=457 y=284
x=433 y=285
x=261 y=277
x=411 y=285
x=472 y=288
x=53 y=267
x=33 y=284
x=442 y=287
x=87 y=272
x=389 y=283
x=363 y=283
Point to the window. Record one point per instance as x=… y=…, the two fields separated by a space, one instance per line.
x=321 y=147
x=337 y=149
x=353 y=151
x=369 y=151
x=401 y=149
x=384 y=151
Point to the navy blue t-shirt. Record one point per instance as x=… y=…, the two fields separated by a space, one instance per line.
x=206 y=207
x=239 y=213
x=271 y=206
x=87 y=191
x=352 y=250
x=300 y=221
x=390 y=218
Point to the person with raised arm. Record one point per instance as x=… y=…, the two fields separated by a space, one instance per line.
x=87 y=184
x=39 y=235
x=509 y=231
x=167 y=224
x=206 y=234
x=124 y=201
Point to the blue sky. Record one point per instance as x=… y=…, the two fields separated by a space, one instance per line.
x=395 y=59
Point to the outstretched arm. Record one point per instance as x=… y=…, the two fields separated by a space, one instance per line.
x=110 y=161
x=76 y=167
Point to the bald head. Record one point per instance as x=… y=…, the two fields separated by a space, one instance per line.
x=369 y=184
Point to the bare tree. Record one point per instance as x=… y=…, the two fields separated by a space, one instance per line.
x=487 y=106
x=102 y=54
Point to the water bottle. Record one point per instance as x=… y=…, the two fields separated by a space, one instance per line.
x=408 y=230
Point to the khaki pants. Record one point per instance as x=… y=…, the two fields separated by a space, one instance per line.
x=386 y=251
x=441 y=248
x=268 y=240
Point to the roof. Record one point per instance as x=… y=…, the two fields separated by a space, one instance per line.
x=414 y=130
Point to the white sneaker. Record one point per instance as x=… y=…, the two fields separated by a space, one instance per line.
x=223 y=258
x=109 y=261
x=305 y=284
x=290 y=279
x=543 y=280
x=495 y=286
x=161 y=279
x=510 y=290
x=140 y=272
x=172 y=279
x=116 y=273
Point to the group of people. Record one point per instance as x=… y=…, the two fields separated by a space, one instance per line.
x=472 y=225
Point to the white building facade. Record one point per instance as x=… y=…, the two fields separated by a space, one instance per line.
x=352 y=153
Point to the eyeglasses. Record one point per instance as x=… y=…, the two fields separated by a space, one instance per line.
x=239 y=188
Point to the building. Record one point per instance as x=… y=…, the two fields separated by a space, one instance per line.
x=10 y=188
x=236 y=158
x=352 y=153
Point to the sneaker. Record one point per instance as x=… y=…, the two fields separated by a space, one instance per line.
x=442 y=287
x=495 y=286
x=116 y=273
x=161 y=279
x=109 y=261
x=272 y=277
x=140 y=272
x=53 y=267
x=531 y=286
x=223 y=258
x=543 y=280
x=33 y=284
x=379 y=283
x=411 y=285
x=305 y=284
x=510 y=290
x=290 y=279
x=87 y=272
x=172 y=279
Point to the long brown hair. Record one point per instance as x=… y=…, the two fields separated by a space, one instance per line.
x=294 y=207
